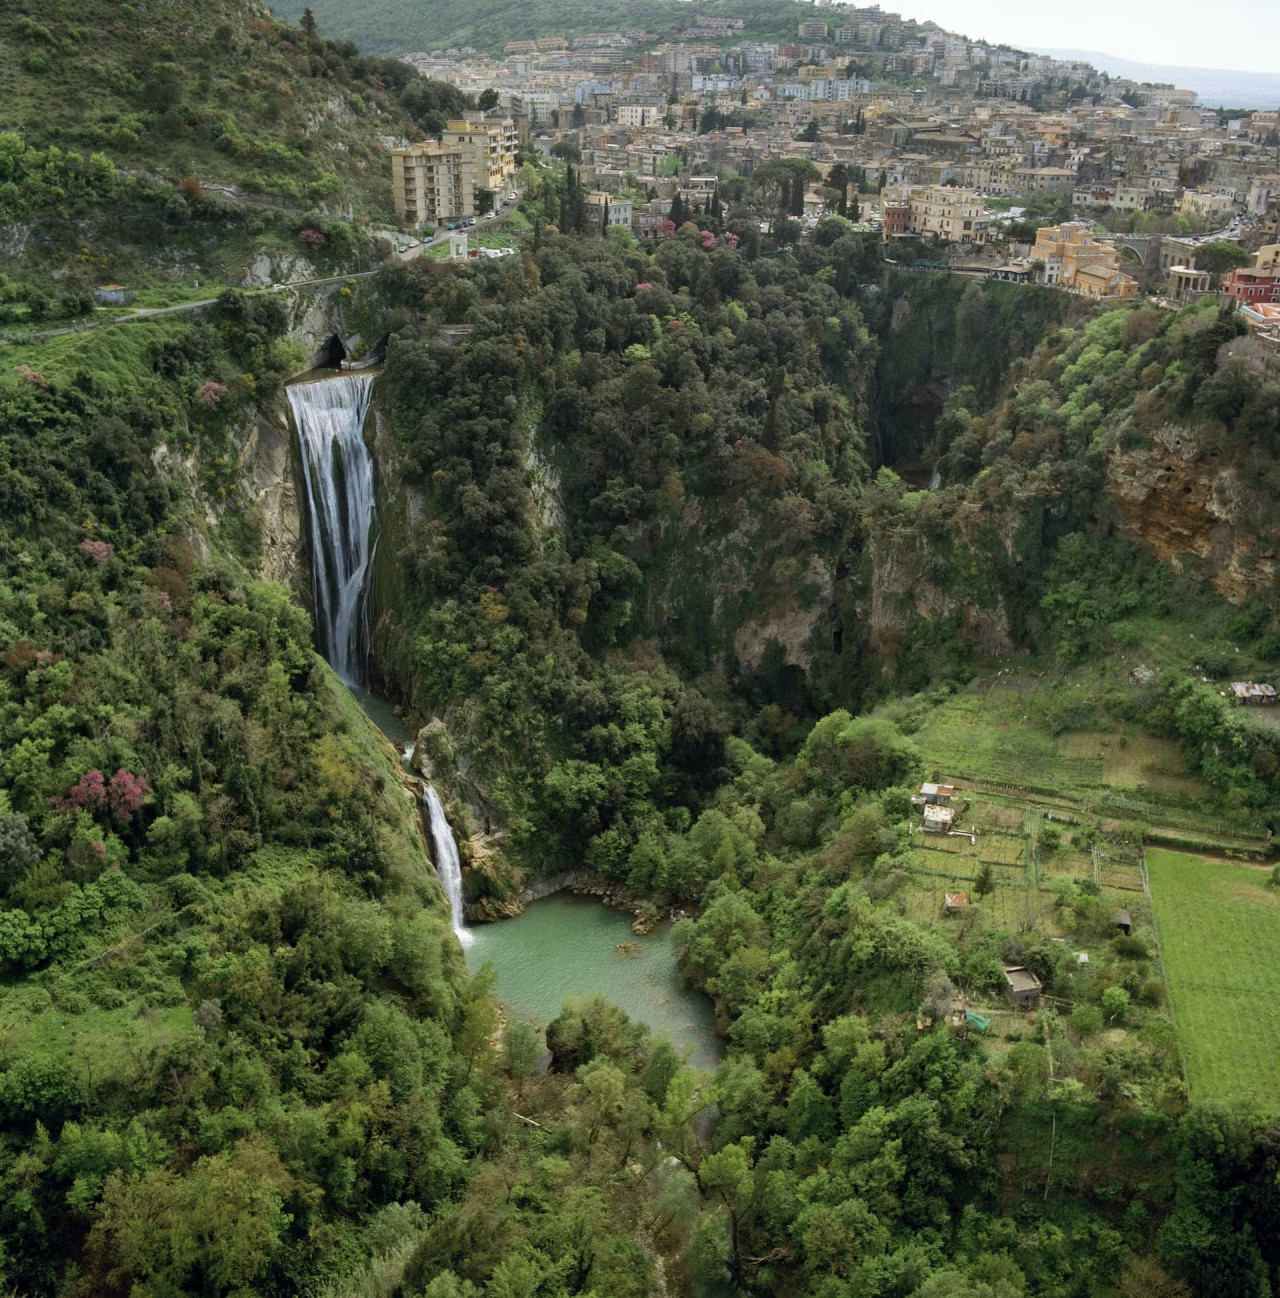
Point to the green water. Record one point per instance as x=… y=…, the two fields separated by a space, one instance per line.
x=568 y=946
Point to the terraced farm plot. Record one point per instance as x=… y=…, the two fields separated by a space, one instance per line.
x=986 y=737
x=1220 y=935
x=1133 y=761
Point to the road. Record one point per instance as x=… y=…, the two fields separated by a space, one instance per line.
x=395 y=238
x=150 y=313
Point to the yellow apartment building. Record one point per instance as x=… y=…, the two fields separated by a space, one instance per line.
x=940 y=212
x=495 y=143
x=436 y=182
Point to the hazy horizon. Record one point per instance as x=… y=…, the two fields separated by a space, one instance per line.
x=1173 y=33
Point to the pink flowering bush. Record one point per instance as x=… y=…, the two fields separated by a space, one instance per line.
x=312 y=238
x=211 y=393
x=667 y=229
x=731 y=239
x=97 y=551
x=122 y=796
x=640 y=288
x=708 y=240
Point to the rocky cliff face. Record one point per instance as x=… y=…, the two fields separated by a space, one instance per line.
x=269 y=480
x=1186 y=501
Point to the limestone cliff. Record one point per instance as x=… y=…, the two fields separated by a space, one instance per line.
x=1185 y=500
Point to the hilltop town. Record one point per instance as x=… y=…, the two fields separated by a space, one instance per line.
x=975 y=156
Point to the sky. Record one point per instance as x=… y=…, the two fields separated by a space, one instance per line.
x=1239 y=34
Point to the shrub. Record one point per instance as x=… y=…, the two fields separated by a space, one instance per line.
x=1087 y=1020
x=1115 y=1001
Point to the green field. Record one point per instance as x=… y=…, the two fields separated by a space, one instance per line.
x=1220 y=935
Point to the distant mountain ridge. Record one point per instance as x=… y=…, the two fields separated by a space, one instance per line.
x=1217 y=87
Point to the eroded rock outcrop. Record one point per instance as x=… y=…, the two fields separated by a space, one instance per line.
x=1184 y=500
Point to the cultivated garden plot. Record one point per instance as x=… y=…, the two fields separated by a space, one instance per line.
x=1220 y=935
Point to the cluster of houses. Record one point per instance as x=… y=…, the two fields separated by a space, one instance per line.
x=945 y=133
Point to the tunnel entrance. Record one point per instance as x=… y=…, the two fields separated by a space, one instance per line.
x=333 y=353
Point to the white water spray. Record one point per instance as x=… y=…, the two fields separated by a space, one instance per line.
x=342 y=516
x=448 y=866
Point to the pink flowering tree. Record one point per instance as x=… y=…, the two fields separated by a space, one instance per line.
x=731 y=239
x=667 y=229
x=312 y=238
x=125 y=793
x=122 y=795
x=707 y=239
x=211 y=393
x=640 y=288
x=97 y=551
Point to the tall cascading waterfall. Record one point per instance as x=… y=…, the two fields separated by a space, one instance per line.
x=448 y=864
x=342 y=514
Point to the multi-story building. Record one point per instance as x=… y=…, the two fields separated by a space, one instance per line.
x=434 y=183
x=1076 y=260
x=1207 y=205
x=935 y=211
x=1259 y=283
x=605 y=210
x=437 y=182
x=639 y=117
x=493 y=144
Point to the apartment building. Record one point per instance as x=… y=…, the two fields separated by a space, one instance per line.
x=640 y=117
x=1259 y=283
x=436 y=182
x=1074 y=259
x=493 y=144
x=1207 y=205
x=934 y=212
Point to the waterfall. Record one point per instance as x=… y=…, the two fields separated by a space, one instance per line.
x=936 y=480
x=342 y=516
x=447 y=864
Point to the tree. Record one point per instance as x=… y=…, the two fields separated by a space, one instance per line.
x=484 y=201
x=1115 y=1001
x=488 y=99
x=1221 y=255
x=811 y=131
x=566 y=151
x=986 y=881
x=309 y=25
x=520 y=1051
x=19 y=850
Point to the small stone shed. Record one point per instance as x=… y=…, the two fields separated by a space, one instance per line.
x=1022 y=986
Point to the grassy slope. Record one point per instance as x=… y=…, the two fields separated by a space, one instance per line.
x=1220 y=930
x=393 y=26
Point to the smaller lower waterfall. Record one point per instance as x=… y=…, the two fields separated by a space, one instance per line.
x=448 y=864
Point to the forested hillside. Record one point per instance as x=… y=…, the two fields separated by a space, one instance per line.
x=395 y=26
x=186 y=141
